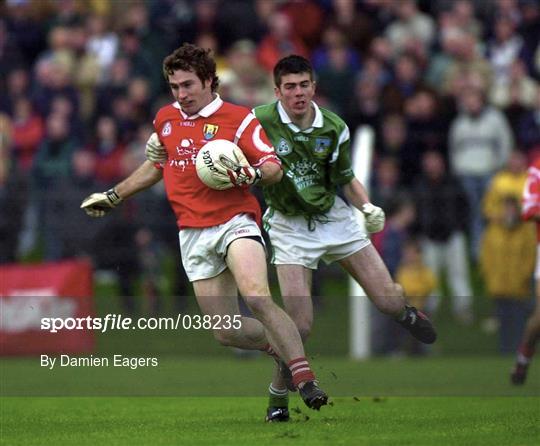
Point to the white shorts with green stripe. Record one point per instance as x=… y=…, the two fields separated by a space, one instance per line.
x=336 y=236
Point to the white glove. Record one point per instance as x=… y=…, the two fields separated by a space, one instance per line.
x=155 y=151
x=374 y=217
x=238 y=171
x=100 y=203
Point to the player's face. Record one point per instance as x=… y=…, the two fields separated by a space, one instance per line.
x=190 y=93
x=295 y=93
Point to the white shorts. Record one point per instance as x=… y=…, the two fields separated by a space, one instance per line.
x=537 y=270
x=204 y=249
x=294 y=244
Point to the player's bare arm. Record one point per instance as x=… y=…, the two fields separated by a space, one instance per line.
x=356 y=194
x=144 y=177
x=100 y=203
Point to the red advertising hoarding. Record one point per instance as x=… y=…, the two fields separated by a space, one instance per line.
x=29 y=293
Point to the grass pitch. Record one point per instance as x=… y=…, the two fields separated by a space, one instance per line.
x=190 y=400
x=237 y=421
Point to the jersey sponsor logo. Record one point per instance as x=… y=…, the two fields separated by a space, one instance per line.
x=166 y=131
x=303 y=173
x=301 y=138
x=186 y=123
x=210 y=130
x=322 y=145
x=303 y=167
x=283 y=148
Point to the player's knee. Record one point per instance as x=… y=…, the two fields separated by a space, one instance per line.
x=304 y=328
x=227 y=338
x=259 y=305
x=253 y=287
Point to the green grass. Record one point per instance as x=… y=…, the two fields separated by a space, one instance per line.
x=237 y=421
x=220 y=401
x=207 y=376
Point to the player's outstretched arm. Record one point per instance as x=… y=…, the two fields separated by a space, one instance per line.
x=357 y=195
x=100 y=203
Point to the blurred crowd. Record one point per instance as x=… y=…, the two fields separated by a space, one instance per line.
x=450 y=87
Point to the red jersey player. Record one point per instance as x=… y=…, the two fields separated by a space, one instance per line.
x=530 y=211
x=221 y=243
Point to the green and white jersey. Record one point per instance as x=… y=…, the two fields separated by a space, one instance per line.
x=315 y=161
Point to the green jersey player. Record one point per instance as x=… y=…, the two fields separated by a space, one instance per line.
x=307 y=221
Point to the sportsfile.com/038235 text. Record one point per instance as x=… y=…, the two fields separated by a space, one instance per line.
x=119 y=322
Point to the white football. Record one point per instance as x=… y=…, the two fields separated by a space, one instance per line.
x=206 y=161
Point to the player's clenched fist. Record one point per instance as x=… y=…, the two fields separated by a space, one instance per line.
x=154 y=150
x=98 y=204
x=374 y=217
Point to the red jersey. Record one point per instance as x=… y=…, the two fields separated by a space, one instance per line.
x=531 y=196
x=194 y=204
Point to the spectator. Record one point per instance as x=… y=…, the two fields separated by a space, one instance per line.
x=103 y=43
x=109 y=151
x=245 y=83
x=443 y=212
x=138 y=92
x=52 y=165
x=462 y=16
x=113 y=88
x=480 y=141
x=66 y=230
x=508 y=252
x=503 y=49
x=355 y=21
x=17 y=86
x=427 y=122
x=451 y=42
x=385 y=181
x=395 y=143
x=336 y=65
x=365 y=106
x=53 y=78
x=411 y=29
x=280 y=41
x=53 y=158
x=467 y=63
x=418 y=282
x=141 y=62
x=528 y=133
x=508 y=257
x=13 y=195
x=28 y=131
x=518 y=89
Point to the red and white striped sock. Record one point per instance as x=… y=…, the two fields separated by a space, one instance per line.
x=300 y=370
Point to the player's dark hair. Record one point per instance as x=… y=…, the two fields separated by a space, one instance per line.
x=190 y=57
x=292 y=64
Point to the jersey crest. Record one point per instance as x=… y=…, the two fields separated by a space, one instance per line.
x=322 y=146
x=210 y=130
x=283 y=148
